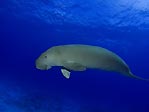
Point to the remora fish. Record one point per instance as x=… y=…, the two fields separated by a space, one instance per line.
x=77 y=57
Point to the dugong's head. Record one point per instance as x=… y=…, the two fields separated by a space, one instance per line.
x=46 y=60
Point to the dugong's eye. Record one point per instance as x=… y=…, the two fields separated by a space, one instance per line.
x=45 y=56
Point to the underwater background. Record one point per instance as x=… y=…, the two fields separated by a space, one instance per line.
x=29 y=27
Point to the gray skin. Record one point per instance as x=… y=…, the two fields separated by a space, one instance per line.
x=79 y=57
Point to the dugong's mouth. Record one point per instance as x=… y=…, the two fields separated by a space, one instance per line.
x=42 y=67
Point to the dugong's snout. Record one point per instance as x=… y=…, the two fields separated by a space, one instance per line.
x=42 y=63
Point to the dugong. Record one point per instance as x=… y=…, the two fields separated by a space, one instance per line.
x=79 y=57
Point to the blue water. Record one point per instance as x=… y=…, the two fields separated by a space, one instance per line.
x=29 y=27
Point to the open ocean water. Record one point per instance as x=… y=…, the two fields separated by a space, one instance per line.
x=29 y=27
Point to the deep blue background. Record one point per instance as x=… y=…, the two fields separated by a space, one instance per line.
x=29 y=27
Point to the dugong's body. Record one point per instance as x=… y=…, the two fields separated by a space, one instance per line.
x=80 y=57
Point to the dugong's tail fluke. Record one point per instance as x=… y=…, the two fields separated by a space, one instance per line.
x=137 y=77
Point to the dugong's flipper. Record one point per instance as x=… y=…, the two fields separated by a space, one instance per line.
x=65 y=73
x=71 y=65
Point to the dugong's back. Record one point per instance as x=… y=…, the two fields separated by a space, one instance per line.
x=92 y=57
